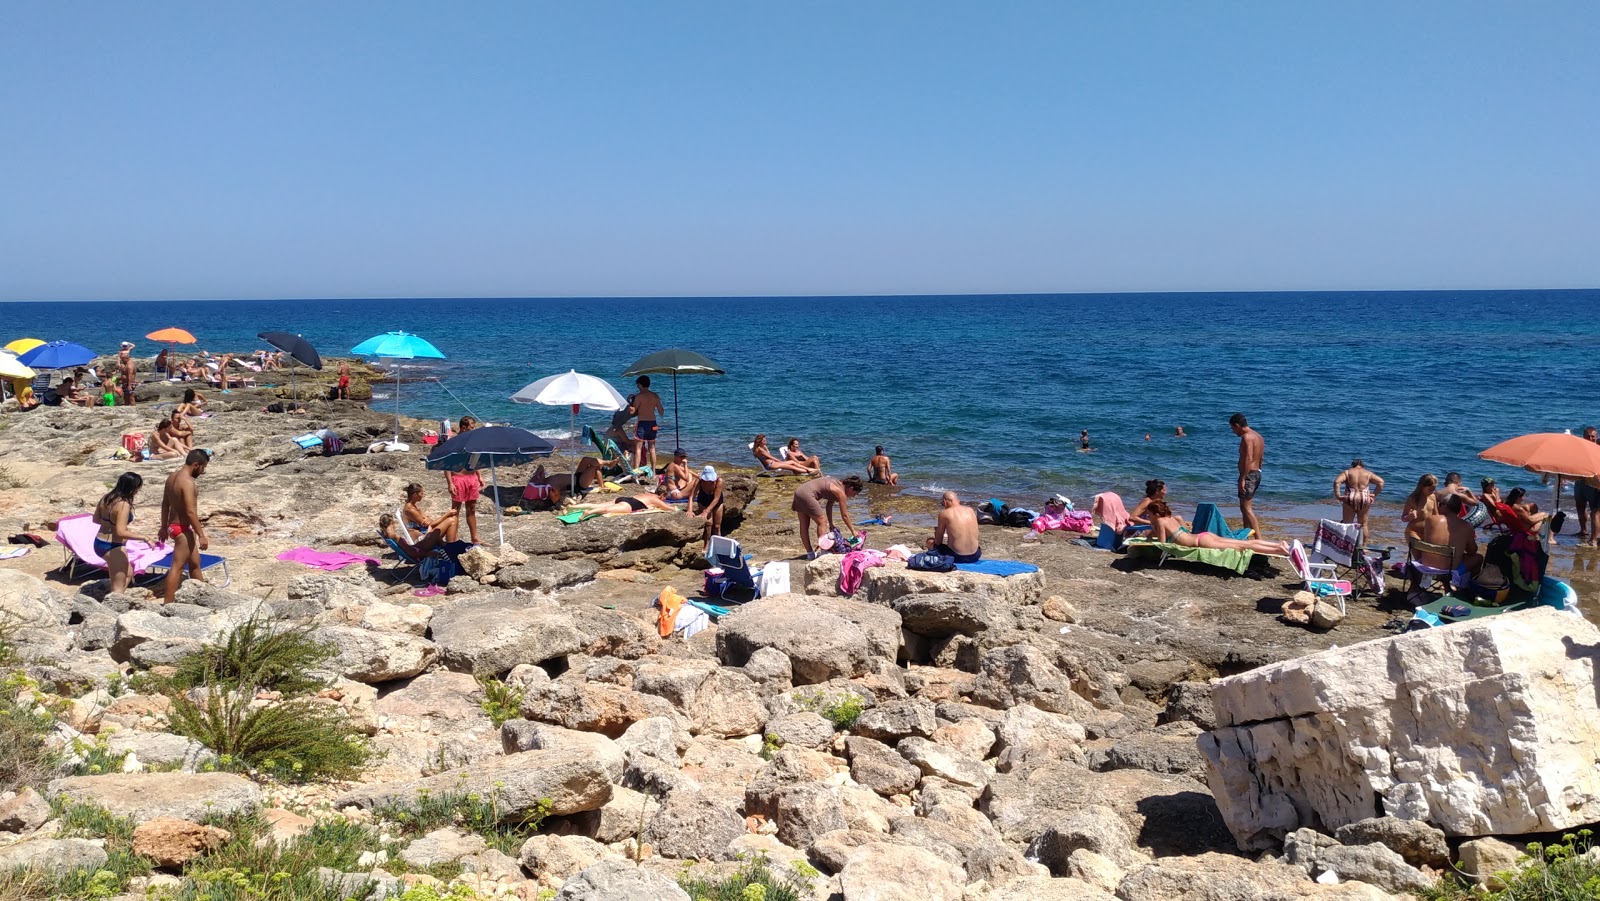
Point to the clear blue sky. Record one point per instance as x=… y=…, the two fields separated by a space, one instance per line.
x=346 y=149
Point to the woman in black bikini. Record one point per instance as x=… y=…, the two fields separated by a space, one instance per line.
x=422 y=522
x=114 y=515
x=706 y=502
x=623 y=506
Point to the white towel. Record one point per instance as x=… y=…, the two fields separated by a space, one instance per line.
x=691 y=620
x=774 y=579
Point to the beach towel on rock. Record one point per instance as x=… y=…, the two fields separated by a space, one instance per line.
x=669 y=602
x=774 y=579
x=324 y=560
x=998 y=567
x=854 y=567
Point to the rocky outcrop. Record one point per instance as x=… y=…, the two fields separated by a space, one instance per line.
x=824 y=638
x=1481 y=728
x=571 y=781
x=145 y=796
x=495 y=632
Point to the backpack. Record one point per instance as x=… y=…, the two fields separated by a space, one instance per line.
x=1019 y=518
x=993 y=512
x=929 y=562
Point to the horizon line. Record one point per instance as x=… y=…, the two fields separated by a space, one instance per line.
x=986 y=294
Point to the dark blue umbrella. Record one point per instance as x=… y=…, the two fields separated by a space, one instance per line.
x=57 y=355
x=298 y=348
x=493 y=445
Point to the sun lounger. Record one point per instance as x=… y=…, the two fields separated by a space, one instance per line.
x=1235 y=561
x=76 y=534
x=615 y=463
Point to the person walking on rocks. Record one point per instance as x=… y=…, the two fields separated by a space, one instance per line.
x=344 y=379
x=180 y=521
x=1252 y=451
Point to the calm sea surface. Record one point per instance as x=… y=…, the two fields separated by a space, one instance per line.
x=988 y=394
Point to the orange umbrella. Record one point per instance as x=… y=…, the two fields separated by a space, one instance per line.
x=171 y=336
x=1549 y=453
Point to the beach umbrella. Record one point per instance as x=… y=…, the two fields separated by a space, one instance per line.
x=57 y=355
x=494 y=445
x=572 y=389
x=400 y=346
x=171 y=337
x=12 y=368
x=674 y=360
x=23 y=345
x=299 y=350
x=1549 y=453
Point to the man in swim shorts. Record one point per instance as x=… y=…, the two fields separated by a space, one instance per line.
x=1252 y=451
x=180 y=521
x=126 y=370
x=466 y=486
x=1356 y=488
x=646 y=405
x=955 y=534
x=344 y=379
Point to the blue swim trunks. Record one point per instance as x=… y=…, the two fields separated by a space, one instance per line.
x=646 y=430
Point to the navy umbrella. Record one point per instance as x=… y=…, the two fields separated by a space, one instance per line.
x=299 y=349
x=493 y=445
x=674 y=360
x=57 y=355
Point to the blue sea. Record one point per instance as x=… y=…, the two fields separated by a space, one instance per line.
x=988 y=394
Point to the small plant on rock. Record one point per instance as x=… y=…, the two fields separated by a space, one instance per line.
x=841 y=710
x=485 y=816
x=756 y=880
x=501 y=701
x=260 y=655
x=1558 y=872
x=26 y=757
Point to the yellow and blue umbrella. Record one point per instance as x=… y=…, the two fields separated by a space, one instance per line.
x=23 y=345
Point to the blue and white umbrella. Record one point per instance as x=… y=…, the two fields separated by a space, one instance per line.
x=492 y=445
x=398 y=346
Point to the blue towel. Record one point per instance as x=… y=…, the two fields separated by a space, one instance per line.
x=874 y=521
x=998 y=567
x=712 y=609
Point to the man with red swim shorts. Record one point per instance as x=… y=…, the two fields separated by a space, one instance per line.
x=181 y=522
x=466 y=487
x=344 y=379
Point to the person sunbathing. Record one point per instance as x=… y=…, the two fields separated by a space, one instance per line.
x=431 y=541
x=793 y=453
x=624 y=506
x=164 y=445
x=25 y=399
x=72 y=392
x=182 y=430
x=193 y=402
x=1154 y=490
x=422 y=522
x=678 y=478
x=1518 y=516
x=1166 y=527
x=771 y=463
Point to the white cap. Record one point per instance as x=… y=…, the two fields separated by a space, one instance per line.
x=709 y=474
x=127 y=344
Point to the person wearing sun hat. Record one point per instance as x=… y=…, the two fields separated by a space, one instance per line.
x=705 y=501
x=126 y=370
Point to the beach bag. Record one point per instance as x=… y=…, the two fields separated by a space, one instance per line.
x=929 y=562
x=716 y=583
x=134 y=442
x=1020 y=519
x=993 y=512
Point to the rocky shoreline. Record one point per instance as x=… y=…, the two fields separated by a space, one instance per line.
x=936 y=736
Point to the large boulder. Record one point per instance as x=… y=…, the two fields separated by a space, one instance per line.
x=610 y=541
x=692 y=826
x=571 y=780
x=172 y=842
x=824 y=638
x=365 y=655
x=943 y=615
x=1224 y=877
x=497 y=631
x=611 y=880
x=1481 y=728
x=591 y=706
x=884 y=871
x=546 y=574
x=145 y=796
x=52 y=855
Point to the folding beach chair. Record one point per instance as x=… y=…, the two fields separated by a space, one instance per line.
x=1420 y=573
x=1207 y=518
x=1319 y=578
x=725 y=553
x=1343 y=544
x=76 y=534
x=614 y=462
x=435 y=568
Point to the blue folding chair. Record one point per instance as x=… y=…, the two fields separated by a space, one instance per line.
x=725 y=553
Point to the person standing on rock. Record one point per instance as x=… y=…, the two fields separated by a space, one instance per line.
x=180 y=521
x=466 y=486
x=344 y=379
x=1252 y=451
x=813 y=503
x=646 y=405
x=126 y=369
x=1357 y=488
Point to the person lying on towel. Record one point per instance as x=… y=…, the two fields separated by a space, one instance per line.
x=624 y=506
x=1166 y=527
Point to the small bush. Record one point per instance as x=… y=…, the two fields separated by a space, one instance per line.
x=95 y=758
x=841 y=710
x=1558 y=872
x=84 y=821
x=473 y=812
x=251 y=867
x=501 y=701
x=9 y=479
x=298 y=740
x=754 y=881
x=257 y=655
x=26 y=758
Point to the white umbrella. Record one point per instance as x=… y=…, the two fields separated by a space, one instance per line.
x=572 y=389
x=11 y=369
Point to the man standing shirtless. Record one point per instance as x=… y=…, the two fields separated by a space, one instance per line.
x=647 y=406
x=1356 y=488
x=956 y=532
x=344 y=379
x=181 y=522
x=125 y=368
x=1252 y=450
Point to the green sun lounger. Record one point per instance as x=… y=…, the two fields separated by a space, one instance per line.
x=1234 y=561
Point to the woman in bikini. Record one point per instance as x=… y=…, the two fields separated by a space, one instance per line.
x=422 y=522
x=114 y=516
x=182 y=431
x=1154 y=490
x=434 y=539
x=1421 y=502
x=773 y=464
x=624 y=506
x=793 y=453
x=678 y=478
x=707 y=502
x=193 y=402
x=1166 y=527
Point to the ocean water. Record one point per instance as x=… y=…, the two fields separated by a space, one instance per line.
x=987 y=394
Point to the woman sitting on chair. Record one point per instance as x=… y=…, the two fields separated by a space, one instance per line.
x=1166 y=527
x=434 y=539
x=771 y=463
x=422 y=522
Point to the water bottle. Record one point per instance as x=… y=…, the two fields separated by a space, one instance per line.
x=444 y=430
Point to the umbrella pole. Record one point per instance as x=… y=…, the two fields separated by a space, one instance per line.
x=677 y=430
x=397 y=405
x=499 y=523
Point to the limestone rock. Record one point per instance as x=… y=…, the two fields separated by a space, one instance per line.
x=728 y=706
x=1093 y=828
x=496 y=631
x=553 y=858
x=1224 y=877
x=1096 y=869
x=803 y=730
x=946 y=763
x=1191 y=702
x=1482 y=858
x=160 y=749
x=1170 y=749
x=52 y=855
x=1375 y=865
x=144 y=796
x=1473 y=724
x=441 y=846
x=1047 y=888
x=968 y=736
x=365 y=655
x=943 y=615
x=1419 y=843
x=823 y=638
x=1030 y=737
x=479 y=563
x=173 y=842
x=614 y=879
x=547 y=574
x=894 y=872
x=1326 y=614
x=1057 y=609
x=25 y=811
x=876 y=766
x=691 y=826
x=411 y=619
x=770 y=667
x=591 y=706
x=571 y=780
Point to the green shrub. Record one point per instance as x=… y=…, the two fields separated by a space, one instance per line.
x=258 y=654
x=252 y=867
x=297 y=740
x=84 y=821
x=485 y=816
x=842 y=710
x=26 y=759
x=501 y=701
x=1558 y=872
x=754 y=881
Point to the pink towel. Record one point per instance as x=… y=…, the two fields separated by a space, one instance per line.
x=327 y=560
x=1108 y=506
x=1070 y=521
x=853 y=568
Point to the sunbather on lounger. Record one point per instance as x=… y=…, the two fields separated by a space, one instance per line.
x=628 y=505
x=422 y=547
x=1166 y=527
x=771 y=463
